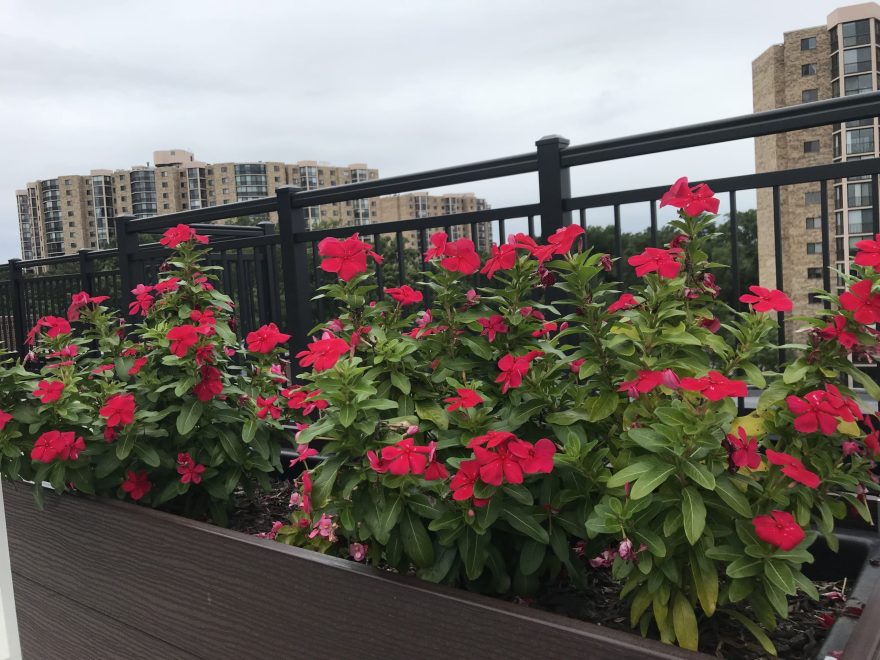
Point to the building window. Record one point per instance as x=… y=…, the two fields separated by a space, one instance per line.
x=861 y=221
x=814 y=248
x=277 y=179
x=808 y=69
x=814 y=273
x=814 y=223
x=165 y=206
x=224 y=180
x=812 y=197
x=856 y=33
x=276 y=168
x=862 y=84
x=808 y=43
x=813 y=299
x=811 y=147
x=858 y=194
x=223 y=169
x=832 y=35
x=857 y=60
x=809 y=95
x=860 y=141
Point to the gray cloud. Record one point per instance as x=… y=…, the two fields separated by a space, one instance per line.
x=401 y=86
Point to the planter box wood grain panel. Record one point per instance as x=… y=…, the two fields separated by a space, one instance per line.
x=212 y=593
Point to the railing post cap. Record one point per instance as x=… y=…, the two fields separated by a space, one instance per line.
x=553 y=139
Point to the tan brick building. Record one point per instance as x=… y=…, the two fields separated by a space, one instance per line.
x=423 y=205
x=812 y=64
x=71 y=212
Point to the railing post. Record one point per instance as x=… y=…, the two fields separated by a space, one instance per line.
x=19 y=320
x=554 y=184
x=295 y=269
x=126 y=245
x=85 y=272
x=270 y=278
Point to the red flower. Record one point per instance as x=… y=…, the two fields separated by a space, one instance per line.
x=347 y=258
x=64 y=446
x=405 y=458
x=744 y=450
x=869 y=253
x=692 y=201
x=167 y=286
x=575 y=365
x=118 y=410
x=210 y=385
x=205 y=354
x=141 y=304
x=540 y=458
x=626 y=301
x=492 y=325
x=301 y=399
x=547 y=328
x=136 y=484
x=779 y=529
x=180 y=234
x=765 y=300
x=503 y=258
x=49 y=391
x=505 y=462
x=436 y=471
x=793 y=468
x=836 y=330
x=5 y=418
x=438 y=240
x=182 y=338
x=304 y=453
x=56 y=326
x=655 y=259
x=563 y=239
x=715 y=386
x=323 y=353
x=189 y=470
x=646 y=380
x=265 y=339
x=102 y=368
x=462 y=482
x=460 y=257
x=820 y=409
x=376 y=463
x=405 y=295
x=80 y=300
x=843 y=407
x=513 y=369
x=268 y=407
x=859 y=300
x=467 y=398
x=713 y=324
x=137 y=366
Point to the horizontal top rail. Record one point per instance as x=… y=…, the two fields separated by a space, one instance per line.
x=208 y=214
x=779 y=120
x=735 y=183
x=417 y=224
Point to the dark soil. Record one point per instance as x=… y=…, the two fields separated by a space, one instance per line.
x=798 y=637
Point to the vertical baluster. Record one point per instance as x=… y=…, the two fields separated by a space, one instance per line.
x=777 y=248
x=618 y=244
x=401 y=259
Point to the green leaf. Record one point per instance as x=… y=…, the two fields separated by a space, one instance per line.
x=602 y=406
x=347 y=414
x=806 y=585
x=706 y=581
x=148 y=455
x=434 y=413
x=693 y=512
x=124 y=446
x=684 y=622
x=324 y=477
x=488 y=514
x=779 y=573
x=732 y=496
x=753 y=628
x=230 y=444
x=401 y=382
x=437 y=571
x=739 y=589
x=647 y=483
x=249 y=430
x=865 y=380
x=648 y=439
x=655 y=544
x=472 y=548
x=745 y=567
x=523 y=521
x=416 y=542
x=531 y=556
x=700 y=474
x=795 y=372
x=754 y=375
x=724 y=553
x=519 y=493
x=422 y=505
x=567 y=417
x=631 y=473
x=189 y=415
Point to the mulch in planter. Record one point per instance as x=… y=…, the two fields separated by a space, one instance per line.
x=799 y=636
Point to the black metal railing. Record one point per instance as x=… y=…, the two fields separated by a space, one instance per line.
x=273 y=276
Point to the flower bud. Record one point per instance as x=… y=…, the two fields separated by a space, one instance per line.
x=606 y=263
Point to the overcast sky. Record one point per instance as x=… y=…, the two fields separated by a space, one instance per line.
x=402 y=86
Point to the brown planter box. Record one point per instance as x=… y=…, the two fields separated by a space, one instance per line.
x=100 y=579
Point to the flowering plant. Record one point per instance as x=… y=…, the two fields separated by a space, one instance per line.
x=152 y=411
x=548 y=423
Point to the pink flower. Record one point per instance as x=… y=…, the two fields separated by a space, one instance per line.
x=181 y=234
x=715 y=386
x=692 y=201
x=136 y=484
x=358 y=551
x=325 y=528
x=182 y=338
x=405 y=295
x=513 y=369
x=80 y=300
x=575 y=365
x=712 y=324
x=646 y=380
x=626 y=301
x=272 y=533
x=766 y=300
x=5 y=418
x=189 y=470
x=604 y=560
x=265 y=339
x=663 y=262
x=467 y=398
x=304 y=452
x=118 y=410
x=267 y=407
x=347 y=258
x=492 y=325
x=323 y=353
x=405 y=458
x=744 y=450
x=503 y=258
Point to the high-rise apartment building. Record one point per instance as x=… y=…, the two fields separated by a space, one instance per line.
x=839 y=58
x=71 y=212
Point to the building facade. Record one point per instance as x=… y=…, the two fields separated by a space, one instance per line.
x=73 y=212
x=840 y=58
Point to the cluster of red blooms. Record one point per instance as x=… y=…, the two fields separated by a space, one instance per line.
x=714 y=385
x=174 y=236
x=57 y=445
x=188 y=469
x=346 y=258
x=299 y=398
x=55 y=326
x=49 y=391
x=80 y=300
x=118 y=410
x=821 y=410
x=405 y=457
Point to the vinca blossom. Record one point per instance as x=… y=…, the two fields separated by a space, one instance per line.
x=174 y=236
x=646 y=380
x=655 y=260
x=837 y=330
x=467 y=398
x=868 y=253
x=324 y=353
x=5 y=418
x=137 y=484
x=793 y=468
x=265 y=339
x=49 y=391
x=715 y=386
x=503 y=258
x=80 y=300
x=859 y=300
x=766 y=300
x=493 y=325
x=60 y=445
x=779 y=529
x=405 y=294
x=118 y=410
x=346 y=258
x=625 y=301
x=743 y=450
x=513 y=369
x=692 y=201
